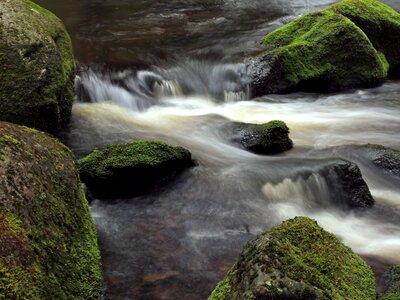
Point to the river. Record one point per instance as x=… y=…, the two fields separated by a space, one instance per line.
x=179 y=241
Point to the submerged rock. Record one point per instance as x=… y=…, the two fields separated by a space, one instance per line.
x=131 y=169
x=348 y=45
x=48 y=243
x=37 y=67
x=297 y=260
x=268 y=138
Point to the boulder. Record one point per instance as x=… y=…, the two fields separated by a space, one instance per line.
x=37 y=67
x=124 y=170
x=268 y=138
x=297 y=260
x=48 y=243
x=346 y=185
x=351 y=44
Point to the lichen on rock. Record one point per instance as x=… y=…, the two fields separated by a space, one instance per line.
x=297 y=260
x=48 y=243
x=37 y=67
x=124 y=170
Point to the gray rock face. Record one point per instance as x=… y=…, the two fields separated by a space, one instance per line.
x=37 y=67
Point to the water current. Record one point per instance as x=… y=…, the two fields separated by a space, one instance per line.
x=172 y=70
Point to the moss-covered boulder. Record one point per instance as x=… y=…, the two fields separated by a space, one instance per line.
x=125 y=170
x=269 y=138
x=297 y=260
x=37 y=67
x=351 y=44
x=48 y=243
x=379 y=22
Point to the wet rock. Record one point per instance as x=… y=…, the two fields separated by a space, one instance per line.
x=268 y=138
x=131 y=169
x=297 y=260
x=48 y=243
x=392 y=289
x=385 y=158
x=37 y=67
x=346 y=184
x=341 y=47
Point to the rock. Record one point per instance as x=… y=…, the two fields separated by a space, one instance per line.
x=343 y=46
x=379 y=22
x=48 y=243
x=346 y=185
x=268 y=138
x=297 y=260
x=37 y=67
x=131 y=169
x=385 y=158
x=392 y=288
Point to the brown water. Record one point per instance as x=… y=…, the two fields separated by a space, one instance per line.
x=179 y=241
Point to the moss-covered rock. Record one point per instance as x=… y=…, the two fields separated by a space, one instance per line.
x=350 y=44
x=268 y=138
x=131 y=169
x=37 y=67
x=48 y=243
x=379 y=22
x=297 y=260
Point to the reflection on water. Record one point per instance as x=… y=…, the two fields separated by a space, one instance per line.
x=176 y=79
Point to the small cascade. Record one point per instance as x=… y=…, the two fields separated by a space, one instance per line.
x=307 y=192
x=167 y=88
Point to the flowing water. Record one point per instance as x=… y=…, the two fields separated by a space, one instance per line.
x=171 y=70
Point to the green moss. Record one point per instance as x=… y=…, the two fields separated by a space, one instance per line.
x=327 y=51
x=299 y=259
x=390 y=296
x=221 y=290
x=8 y=139
x=37 y=67
x=48 y=243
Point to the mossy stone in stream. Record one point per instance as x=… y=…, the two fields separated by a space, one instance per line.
x=379 y=22
x=297 y=260
x=386 y=158
x=37 y=67
x=48 y=243
x=125 y=170
x=268 y=138
x=351 y=44
x=392 y=289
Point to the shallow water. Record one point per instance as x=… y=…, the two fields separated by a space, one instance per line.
x=170 y=71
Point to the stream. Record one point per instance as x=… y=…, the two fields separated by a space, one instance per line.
x=171 y=70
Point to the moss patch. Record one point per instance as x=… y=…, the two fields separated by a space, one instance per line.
x=131 y=169
x=48 y=243
x=298 y=260
x=37 y=67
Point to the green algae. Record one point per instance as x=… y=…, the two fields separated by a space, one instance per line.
x=297 y=260
x=48 y=243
